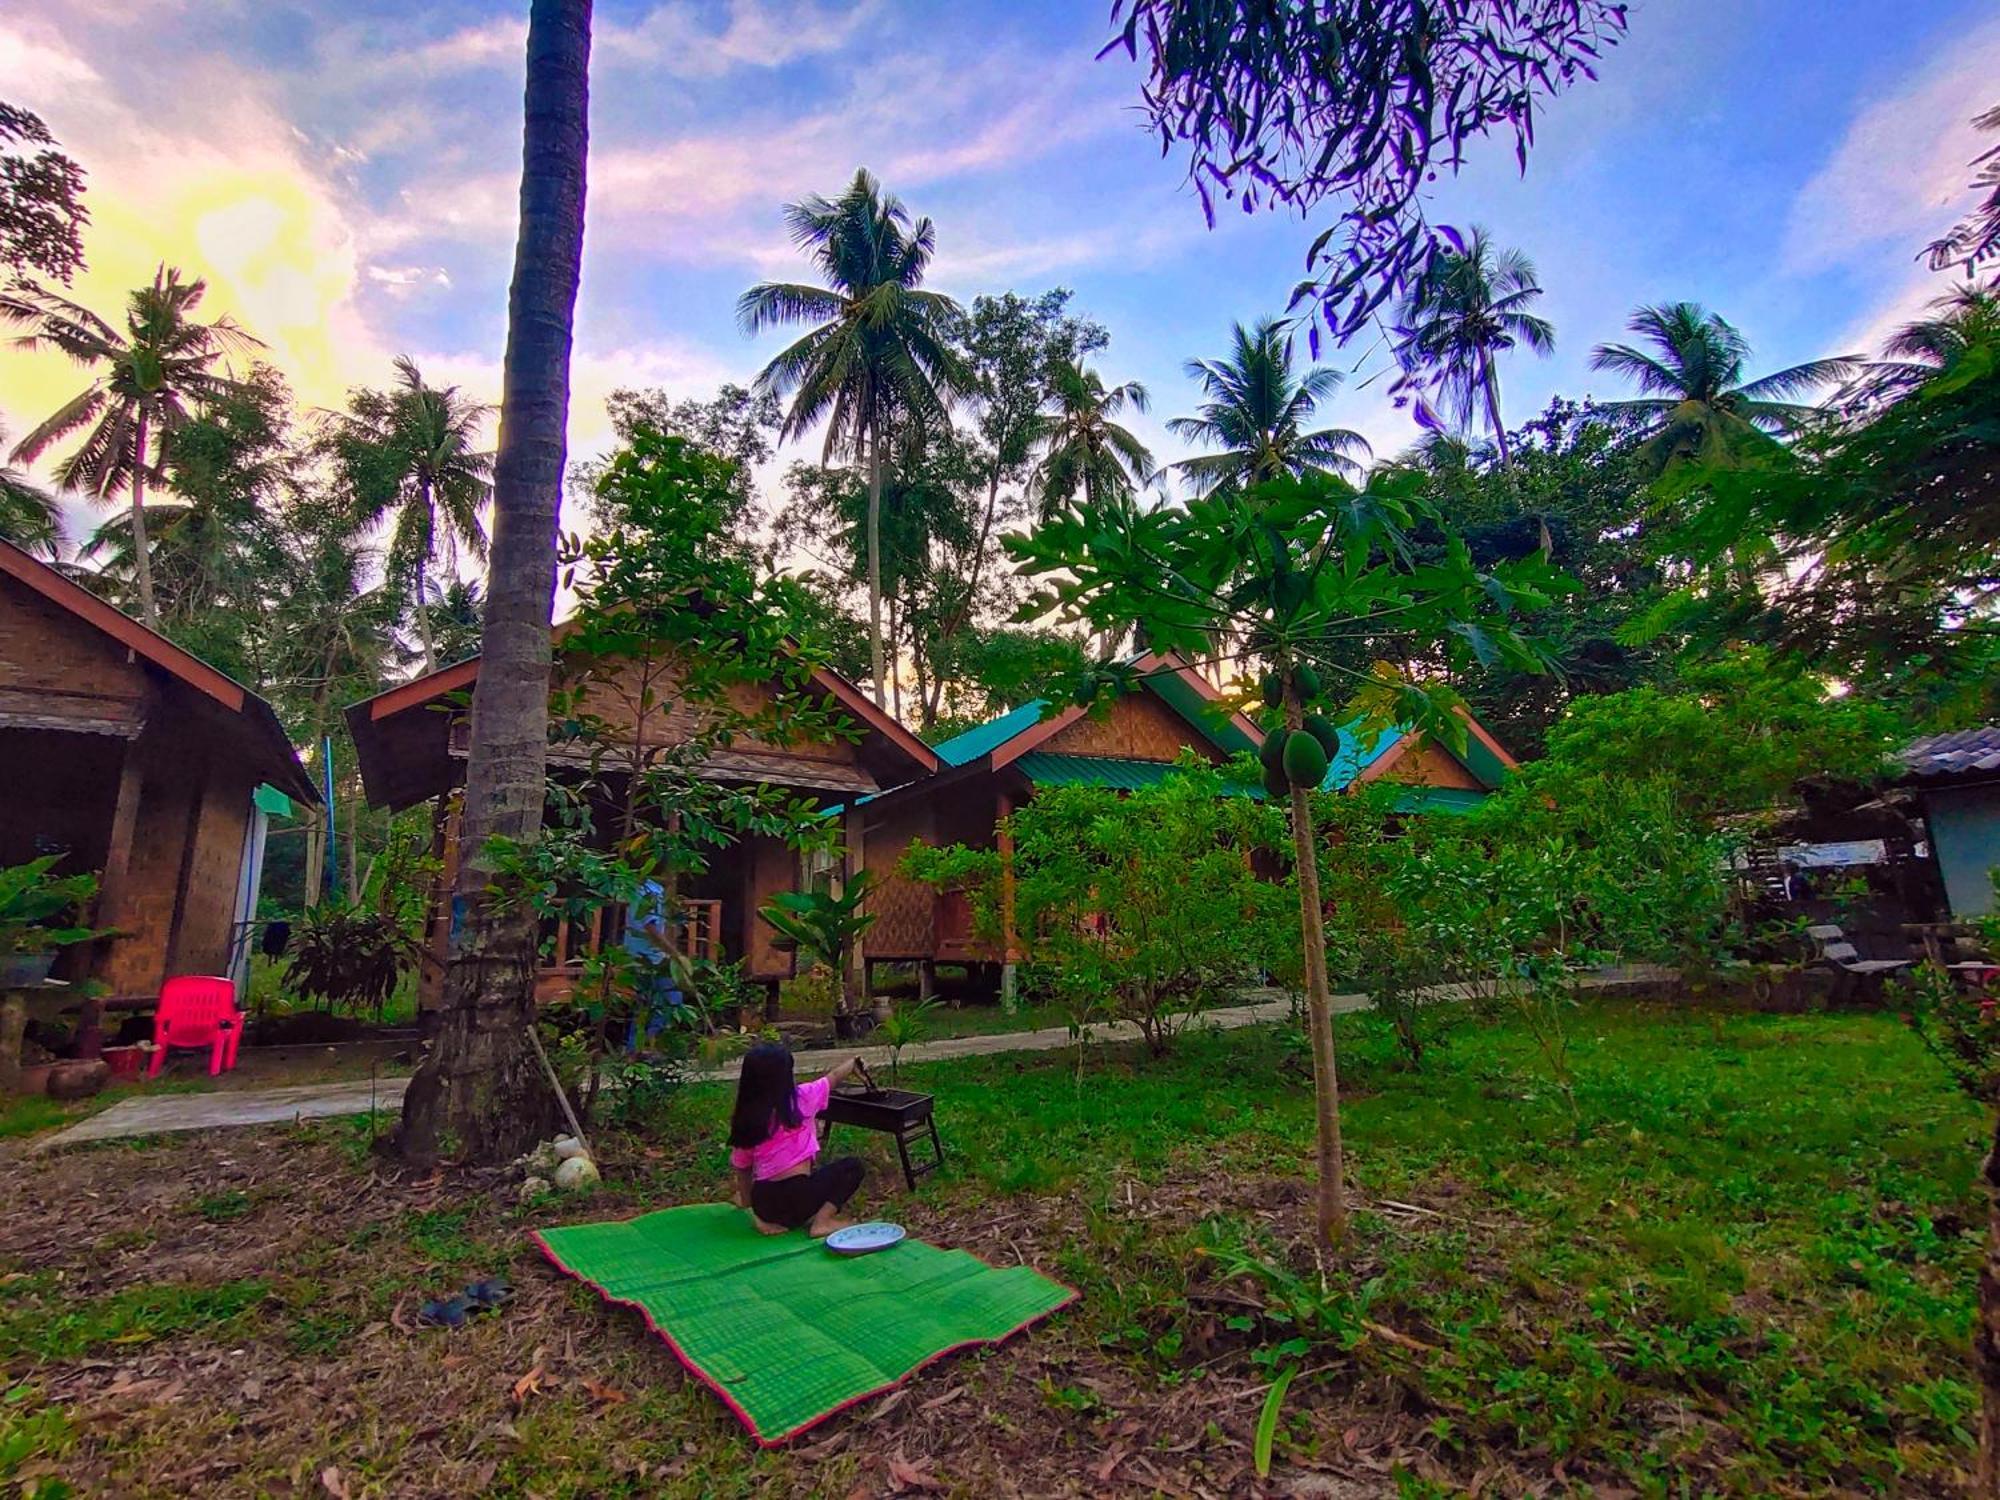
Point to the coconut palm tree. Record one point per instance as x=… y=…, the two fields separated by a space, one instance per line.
x=1257 y=412
x=1468 y=308
x=412 y=452
x=28 y=515
x=477 y=1083
x=150 y=378
x=880 y=354
x=1085 y=449
x=1697 y=404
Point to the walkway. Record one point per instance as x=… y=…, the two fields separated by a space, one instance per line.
x=162 y=1114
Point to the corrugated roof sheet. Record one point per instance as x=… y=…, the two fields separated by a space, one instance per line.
x=1110 y=771
x=961 y=749
x=1966 y=752
x=1357 y=753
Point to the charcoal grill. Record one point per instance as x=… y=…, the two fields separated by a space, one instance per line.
x=908 y=1117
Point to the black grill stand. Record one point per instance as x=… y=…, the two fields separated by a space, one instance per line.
x=897 y=1112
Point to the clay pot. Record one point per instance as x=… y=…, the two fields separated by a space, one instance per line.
x=35 y=1077
x=79 y=1078
x=125 y=1062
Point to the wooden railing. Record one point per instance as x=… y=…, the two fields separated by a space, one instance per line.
x=699 y=937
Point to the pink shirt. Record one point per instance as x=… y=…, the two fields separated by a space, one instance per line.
x=788 y=1145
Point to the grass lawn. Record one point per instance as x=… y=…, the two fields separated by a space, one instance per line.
x=1751 y=1273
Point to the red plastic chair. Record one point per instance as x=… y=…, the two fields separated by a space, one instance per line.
x=197 y=1010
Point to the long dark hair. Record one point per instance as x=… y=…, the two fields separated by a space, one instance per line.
x=766 y=1097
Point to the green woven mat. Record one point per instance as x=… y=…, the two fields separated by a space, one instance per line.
x=782 y=1329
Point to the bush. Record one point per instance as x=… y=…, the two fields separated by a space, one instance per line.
x=1140 y=908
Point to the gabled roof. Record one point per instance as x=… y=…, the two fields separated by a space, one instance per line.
x=1967 y=752
x=1366 y=755
x=271 y=745
x=386 y=728
x=1167 y=677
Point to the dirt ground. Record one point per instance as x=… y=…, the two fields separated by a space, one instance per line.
x=307 y=1373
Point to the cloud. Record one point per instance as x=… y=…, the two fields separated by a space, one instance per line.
x=1899 y=173
x=757 y=34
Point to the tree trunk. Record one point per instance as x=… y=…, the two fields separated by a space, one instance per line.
x=875 y=561
x=142 y=556
x=423 y=604
x=478 y=1089
x=1330 y=1160
x=1489 y=382
x=1986 y=1336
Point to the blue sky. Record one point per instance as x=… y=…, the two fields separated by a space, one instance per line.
x=344 y=176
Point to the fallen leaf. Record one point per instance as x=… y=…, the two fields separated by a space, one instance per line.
x=945 y=1400
x=528 y=1385
x=1395 y=1336
x=889 y=1403
x=1110 y=1465
x=331 y=1481
x=610 y=1395
x=401 y=1323
x=907 y=1476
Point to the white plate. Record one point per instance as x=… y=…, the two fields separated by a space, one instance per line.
x=861 y=1239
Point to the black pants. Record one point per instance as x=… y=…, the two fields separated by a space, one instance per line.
x=792 y=1201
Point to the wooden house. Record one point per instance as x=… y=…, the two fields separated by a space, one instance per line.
x=412 y=742
x=1957 y=777
x=137 y=761
x=1128 y=743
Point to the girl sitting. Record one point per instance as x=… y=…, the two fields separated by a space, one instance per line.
x=774 y=1142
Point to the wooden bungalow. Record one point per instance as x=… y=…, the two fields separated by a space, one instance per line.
x=137 y=761
x=1957 y=776
x=412 y=742
x=1132 y=742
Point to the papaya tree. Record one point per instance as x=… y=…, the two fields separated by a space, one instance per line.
x=1282 y=581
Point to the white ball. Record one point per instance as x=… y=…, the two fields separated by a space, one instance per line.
x=568 y=1147
x=575 y=1172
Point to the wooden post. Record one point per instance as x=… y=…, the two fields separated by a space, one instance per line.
x=13 y=1026
x=1009 y=950
x=856 y=838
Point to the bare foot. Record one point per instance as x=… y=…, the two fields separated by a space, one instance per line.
x=826 y=1224
x=763 y=1228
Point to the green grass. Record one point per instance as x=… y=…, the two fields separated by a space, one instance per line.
x=1763 y=1240
x=40 y=1320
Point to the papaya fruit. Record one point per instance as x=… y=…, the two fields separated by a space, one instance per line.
x=1321 y=729
x=1305 y=761
x=1306 y=679
x=1273 y=688
x=1275 y=785
x=1272 y=752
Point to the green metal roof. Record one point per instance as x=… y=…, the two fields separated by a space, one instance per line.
x=271 y=800
x=1440 y=799
x=961 y=749
x=1113 y=772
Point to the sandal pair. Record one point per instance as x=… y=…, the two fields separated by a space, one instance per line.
x=452 y=1312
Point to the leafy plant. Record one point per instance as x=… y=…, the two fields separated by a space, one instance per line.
x=905 y=1025
x=345 y=956
x=826 y=926
x=38 y=909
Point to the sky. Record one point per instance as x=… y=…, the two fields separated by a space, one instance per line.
x=343 y=176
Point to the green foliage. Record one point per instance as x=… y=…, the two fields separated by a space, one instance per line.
x=1140 y=908
x=1864 y=549
x=1959 y=1028
x=825 y=925
x=1733 y=735
x=42 y=1321
x=39 y=909
x=909 y=1023
x=345 y=955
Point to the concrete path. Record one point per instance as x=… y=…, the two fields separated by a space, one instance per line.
x=163 y=1114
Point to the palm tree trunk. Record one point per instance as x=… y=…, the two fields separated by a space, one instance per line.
x=142 y=560
x=423 y=604
x=1489 y=382
x=477 y=1084
x=1330 y=1159
x=875 y=666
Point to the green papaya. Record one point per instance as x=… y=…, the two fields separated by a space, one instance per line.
x=1321 y=729
x=1272 y=751
x=1305 y=762
x=1275 y=785
x=1306 y=680
x=1273 y=688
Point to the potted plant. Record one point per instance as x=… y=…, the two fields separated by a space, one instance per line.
x=38 y=916
x=827 y=928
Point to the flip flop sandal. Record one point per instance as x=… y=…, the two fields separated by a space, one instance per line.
x=485 y=1296
x=446 y=1312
